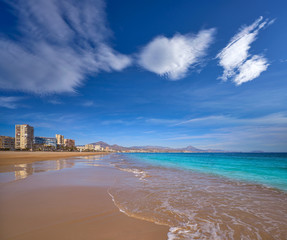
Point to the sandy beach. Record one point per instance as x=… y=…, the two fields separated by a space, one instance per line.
x=9 y=157
x=71 y=203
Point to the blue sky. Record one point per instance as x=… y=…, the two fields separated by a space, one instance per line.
x=211 y=74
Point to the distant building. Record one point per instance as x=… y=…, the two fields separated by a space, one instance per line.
x=60 y=139
x=89 y=147
x=69 y=143
x=45 y=141
x=24 y=136
x=98 y=148
x=81 y=148
x=7 y=142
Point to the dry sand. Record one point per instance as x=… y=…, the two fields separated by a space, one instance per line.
x=68 y=204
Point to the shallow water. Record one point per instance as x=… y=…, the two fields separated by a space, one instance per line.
x=197 y=201
x=269 y=169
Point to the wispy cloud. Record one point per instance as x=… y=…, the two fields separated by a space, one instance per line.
x=160 y=121
x=148 y=132
x=268 y=133
x=265 y=138
x=88 y=103
x=173 y=57
x=241 y=138
x=116 y=122
x=271 y=119
x=216 y=121
x=62 y=42
x=210 y=119
x=51 y=121
x=235 y=59
x=10 y=102
x=55 y=101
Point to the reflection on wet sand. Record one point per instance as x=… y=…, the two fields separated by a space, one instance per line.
x=25 y=171
x=93 y=160
x=22 y=171
x=93 y=157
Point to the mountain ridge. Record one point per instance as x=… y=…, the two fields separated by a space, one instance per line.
x=152 y=148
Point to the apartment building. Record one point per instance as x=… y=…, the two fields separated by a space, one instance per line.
x=81 y=148
x=7 y=142
x=60 y=139
x=24 y=136
x=89 y=147
x=69 y=143
x=98 y=148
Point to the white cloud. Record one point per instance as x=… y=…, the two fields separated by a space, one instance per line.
x=251 y=69
x=62 y=42
x=10 y=102
x=235 y=58
x=173 y=57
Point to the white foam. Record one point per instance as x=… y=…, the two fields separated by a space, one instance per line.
x=113 y=199
x=142 y=175
x=176 y=233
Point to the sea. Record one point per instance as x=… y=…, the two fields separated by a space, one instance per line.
x=205 y=195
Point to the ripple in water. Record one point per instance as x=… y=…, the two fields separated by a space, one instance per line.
x=200 y=206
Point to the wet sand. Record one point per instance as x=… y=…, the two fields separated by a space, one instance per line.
x=7 y=158
x=68 y=204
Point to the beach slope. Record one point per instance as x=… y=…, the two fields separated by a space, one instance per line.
x=71 y=203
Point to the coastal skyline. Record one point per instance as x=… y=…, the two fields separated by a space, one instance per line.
x=209 y=74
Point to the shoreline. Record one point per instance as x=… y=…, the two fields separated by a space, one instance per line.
x=18 y=157
x=194 y=203
x=118 y=197
x=72 y=203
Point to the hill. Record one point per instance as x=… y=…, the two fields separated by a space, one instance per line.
x=152 y=148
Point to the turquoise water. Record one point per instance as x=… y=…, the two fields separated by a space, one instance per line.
x=269 y=169
x=206 y=195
